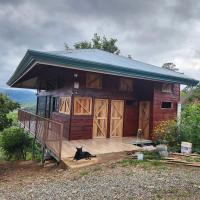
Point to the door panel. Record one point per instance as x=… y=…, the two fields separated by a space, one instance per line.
x=144 y=115
x=116 y=118
x=100 y=119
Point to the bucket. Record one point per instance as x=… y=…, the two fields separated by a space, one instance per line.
x=140 y=156
x=186 y=147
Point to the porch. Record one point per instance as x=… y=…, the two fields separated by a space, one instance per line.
x=49 y=134
x=100 y=146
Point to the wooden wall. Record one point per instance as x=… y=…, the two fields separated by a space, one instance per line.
x=59 y=82
x=160 y=114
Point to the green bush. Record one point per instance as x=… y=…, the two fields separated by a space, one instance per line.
x=167 y=132
x=15 y=143
x=190 y=125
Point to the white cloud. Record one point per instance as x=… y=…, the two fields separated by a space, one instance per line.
x=155 y=31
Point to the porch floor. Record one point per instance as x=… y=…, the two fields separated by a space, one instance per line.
x=100 y=146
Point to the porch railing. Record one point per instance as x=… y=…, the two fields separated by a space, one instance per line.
x=49 y=133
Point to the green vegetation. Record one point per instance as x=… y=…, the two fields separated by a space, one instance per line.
x=190 y=125
x=170 y=66
x=187 y=129
x=167 y=132
x=98 y=43
x=24 y=97
x=151 y=159
x=84 y=173
x=15 y=143
x=191 y=94
x=6 y=106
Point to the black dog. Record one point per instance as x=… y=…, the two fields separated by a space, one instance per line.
x=80 y=154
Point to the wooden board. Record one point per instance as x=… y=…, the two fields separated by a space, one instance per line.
x=82 y=105
x=144 y=116
x=100 y=119
x=116 y=118
x=65 y=105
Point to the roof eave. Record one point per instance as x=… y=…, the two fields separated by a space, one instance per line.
x=91 y=66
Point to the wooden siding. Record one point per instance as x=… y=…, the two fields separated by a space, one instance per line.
x=160 y=114
x=81 y=127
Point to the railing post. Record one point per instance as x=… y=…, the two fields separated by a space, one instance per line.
x=46 y=125
x=36 y=125
x=29 y=125
x=60 y=141
x=24 y=119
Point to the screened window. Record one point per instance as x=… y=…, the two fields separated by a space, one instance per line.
x=93 y=80
x=65 y=105
x=126 y=84
x=54 y=104
x=41 y=106
x=166 y=104
x=48 y=102
x=167 y=87
x=82 y=106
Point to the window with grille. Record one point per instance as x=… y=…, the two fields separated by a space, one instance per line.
x=93 y=80
x=167 y=87
x=65 y=105
x=82 y=106
x=126 y=84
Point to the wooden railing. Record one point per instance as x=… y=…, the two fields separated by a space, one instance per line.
x=49 y=133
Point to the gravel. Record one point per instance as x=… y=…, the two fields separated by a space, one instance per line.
x=111 y=181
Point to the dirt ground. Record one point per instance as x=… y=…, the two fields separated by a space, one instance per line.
x=114 y=180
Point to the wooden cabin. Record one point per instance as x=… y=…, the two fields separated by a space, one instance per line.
x=96 y=94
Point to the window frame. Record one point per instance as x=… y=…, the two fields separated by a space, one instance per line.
x=166 y=102
x=167 y=91
x=98 y=76
x=121 y=80
x=75 y=113
x=67 y=98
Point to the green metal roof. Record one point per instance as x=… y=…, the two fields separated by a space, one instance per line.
x=98 y=61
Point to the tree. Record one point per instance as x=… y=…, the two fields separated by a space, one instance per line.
x=170 y=66
x=98 y=43
x=190 y=125
x=6 y=106
x=191 y=94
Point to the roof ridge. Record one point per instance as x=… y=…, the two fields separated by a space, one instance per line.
x=117 y=55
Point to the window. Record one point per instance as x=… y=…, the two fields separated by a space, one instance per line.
x=65 y=105
x=167 y=87
x=41 y=105
x=126 y=84
x=166 y=104
x=131 y=103
x=82 y=106
x=54 y=104
x=48 y=101
x=93 y=80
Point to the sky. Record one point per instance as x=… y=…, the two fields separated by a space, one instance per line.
x=155 y=31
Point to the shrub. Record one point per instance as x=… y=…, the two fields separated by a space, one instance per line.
x=15 y=143
x=167 y=132
x=190 y=125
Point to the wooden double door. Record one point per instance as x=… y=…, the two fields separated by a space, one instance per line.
x=108 y=115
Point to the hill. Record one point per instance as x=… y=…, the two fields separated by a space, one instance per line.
x=24 y=97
